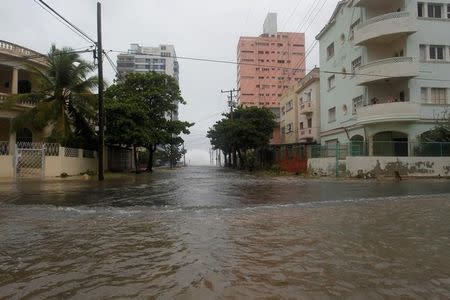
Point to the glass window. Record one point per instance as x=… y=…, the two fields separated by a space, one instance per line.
x=356 y=63
x=435 y=10
x=420 y=9
x=423 y=52
x=332 y=115
x=448 y=11
x=438 y=96
x=330 y=51
x=309 y=123
x=302 y=126
x=357 y=103
x=437 y=52
x=331 y=82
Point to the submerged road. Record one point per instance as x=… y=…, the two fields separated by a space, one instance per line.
x=203 y=233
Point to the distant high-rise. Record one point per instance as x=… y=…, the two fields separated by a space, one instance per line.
x=269 y=64
x=162 y=59
x=145 y=59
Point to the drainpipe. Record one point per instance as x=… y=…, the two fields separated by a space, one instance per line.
x=338 y=155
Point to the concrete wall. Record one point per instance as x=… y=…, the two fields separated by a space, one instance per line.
x=54 y=165
x=325 y=166
x=6 y=166
x=406 y=166
x=381 y=166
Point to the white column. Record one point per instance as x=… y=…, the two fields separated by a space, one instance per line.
x=12 y=138
x=15 y=81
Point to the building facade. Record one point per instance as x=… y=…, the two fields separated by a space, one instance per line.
x=268 y=65
x=16 y=78
x=162 y=59
x=385 y=68
x=300 y=111
x=139 y=59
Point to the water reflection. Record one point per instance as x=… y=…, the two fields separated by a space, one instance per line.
x=215 y=235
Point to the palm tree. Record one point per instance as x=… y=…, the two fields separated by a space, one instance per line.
x=63 y=98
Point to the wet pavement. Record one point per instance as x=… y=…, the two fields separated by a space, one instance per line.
x=203 y=233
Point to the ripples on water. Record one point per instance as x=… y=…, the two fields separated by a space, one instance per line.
x=204 y=233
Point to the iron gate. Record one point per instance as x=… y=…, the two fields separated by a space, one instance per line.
x=29 y=160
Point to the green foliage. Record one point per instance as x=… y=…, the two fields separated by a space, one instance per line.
x=250 y=129
x=63 y=99
x=139 y=112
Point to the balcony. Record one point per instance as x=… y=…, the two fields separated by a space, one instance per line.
x=385 y=28
x=306 y=108
x=308 y=134
x=389 y=112
x=14 y=50
x=386 y=69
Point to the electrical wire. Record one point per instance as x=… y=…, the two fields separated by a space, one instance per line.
x=54 y=13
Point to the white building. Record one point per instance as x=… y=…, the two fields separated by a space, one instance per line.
x=385 y=72
x=145 y=59
x=139 y=59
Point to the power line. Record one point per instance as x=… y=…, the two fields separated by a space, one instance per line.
x=67 y=22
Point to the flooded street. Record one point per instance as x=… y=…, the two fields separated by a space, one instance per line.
x=204 y=233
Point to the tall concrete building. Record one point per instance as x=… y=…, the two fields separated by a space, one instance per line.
x=268 y=65
x=139 y=59
x=145 y=59
x=385 y=66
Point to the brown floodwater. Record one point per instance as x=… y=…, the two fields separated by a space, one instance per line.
x=207 y=233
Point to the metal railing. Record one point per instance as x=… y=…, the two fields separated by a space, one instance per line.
x=71 y=152
x=390 y=16
x=4 y=148
x=382 y=149
x=88 y=154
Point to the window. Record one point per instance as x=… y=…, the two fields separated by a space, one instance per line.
x=434 y=10
x=330 y=51
x=308 y=96
x=289 y=105
x=424 y=95
x=356 y=63
x=438 y=96
x=353 y=27
x=357 y=103
x=309 y=123
x=302 y=126
x=423 y=52
x=289 y=128
x=331 y=82
x=437 y=52
x=420 y=10
x=448 y=11
x=332 y=115
x=283 y=130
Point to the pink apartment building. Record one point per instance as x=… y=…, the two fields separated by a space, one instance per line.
x=269 y=65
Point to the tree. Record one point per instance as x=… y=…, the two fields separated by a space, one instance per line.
x=249 y=130
x=63 y=99
x=139 y=112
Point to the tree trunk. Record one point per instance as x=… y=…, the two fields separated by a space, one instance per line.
x=151 y=151
x=234 y=159
x=135 y=160
x=241 y=161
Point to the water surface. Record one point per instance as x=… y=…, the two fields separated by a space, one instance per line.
x=210 y=233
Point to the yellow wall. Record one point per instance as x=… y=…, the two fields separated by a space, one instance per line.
x=6 y=166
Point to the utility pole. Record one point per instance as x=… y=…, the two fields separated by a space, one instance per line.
x=231 y=105
x=101 y=117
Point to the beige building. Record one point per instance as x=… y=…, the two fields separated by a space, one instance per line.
x=300 y=111
x=23 y=152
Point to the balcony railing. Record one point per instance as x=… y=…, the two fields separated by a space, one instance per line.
x=385 y=28
x=18 y=50
x=306 y=107
x=393 y=67
x=389 y=111
x=390 y=16
x=3 y=96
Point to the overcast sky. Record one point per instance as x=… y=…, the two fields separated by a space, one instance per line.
x=197 y=28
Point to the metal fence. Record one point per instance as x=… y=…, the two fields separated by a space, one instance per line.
x=4 y=148
x=400 y=149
